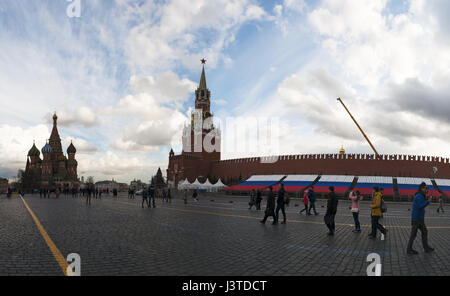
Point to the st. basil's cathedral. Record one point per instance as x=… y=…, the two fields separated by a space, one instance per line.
x=54 y=170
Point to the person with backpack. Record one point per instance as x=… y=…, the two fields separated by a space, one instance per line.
x=185 y=196
x=151 y=195
x=281 y=201
x=258 y=199
x=332 y=204
x=195 y=195
x=441 y=205
x=169 y=196
x=355 y=197
x=418 y=220
x=252 y=201
x=270 y=208
x=305 y=202
x=145 y=197
x=376 y=214
x=312 y=201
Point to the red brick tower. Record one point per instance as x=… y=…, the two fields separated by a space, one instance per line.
x=201 y=140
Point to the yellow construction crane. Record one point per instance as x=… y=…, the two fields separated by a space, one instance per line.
x=376 y=153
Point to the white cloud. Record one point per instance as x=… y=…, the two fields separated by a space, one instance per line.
x=167 y=87
x=295 y=5
x=82 y=146
x=15 y=142
x=83 y=116
x=177 y=32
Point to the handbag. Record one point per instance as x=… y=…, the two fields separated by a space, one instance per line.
x=354 y=210
x=383 y=206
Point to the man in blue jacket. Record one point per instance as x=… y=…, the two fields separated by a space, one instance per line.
x=418 y=220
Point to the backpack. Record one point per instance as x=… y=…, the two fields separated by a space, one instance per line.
x=383 y=206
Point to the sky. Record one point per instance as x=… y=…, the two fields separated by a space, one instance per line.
x=122 y=76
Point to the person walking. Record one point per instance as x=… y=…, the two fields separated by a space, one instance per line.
x=195 y=195
x=252 y=201
x=312 y=201
x=185 y=196
x=258 y=199
x=164 y=195
x=356 y=197
x=418 y=220
x=88 y=195
x=270 y=207
x=169 y=196
x=376 y=214
x=305 y=202
x=145 y=197
x=332 y=204
x=441 y=205
x=281 y=201
x=151 y=194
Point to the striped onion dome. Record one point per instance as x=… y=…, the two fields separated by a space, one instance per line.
x=34 y=151
x=47 y=149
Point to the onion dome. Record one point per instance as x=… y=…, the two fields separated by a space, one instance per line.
x=342 y=150
x=71 y=148
x=34 y=151
x=47 y=149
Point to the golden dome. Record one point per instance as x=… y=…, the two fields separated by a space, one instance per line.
x=342 y=150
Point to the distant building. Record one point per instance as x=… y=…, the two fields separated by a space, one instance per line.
x=55 y=170
x=3 y=185
x=137 y=185
x=111 y=185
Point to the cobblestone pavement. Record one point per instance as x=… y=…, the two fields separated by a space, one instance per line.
x=217 y=236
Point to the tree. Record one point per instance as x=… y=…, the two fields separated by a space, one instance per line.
x=159 y=179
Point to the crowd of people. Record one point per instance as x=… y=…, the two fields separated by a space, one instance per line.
x=150 y=193
x=275 y=205
x=377 y=209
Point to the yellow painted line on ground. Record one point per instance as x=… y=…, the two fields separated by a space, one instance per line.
x=55 y=251
x=295 y=221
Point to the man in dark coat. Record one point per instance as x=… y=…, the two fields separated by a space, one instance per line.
x=258 y=200
x=312 y=201
x=151 y=196
x=280 y=205
x=145 y=198
x=270 y=208
x=332 y=204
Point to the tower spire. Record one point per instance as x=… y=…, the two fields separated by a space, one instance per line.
x=203 y=77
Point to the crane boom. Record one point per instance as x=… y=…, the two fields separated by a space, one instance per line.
x=370 y=143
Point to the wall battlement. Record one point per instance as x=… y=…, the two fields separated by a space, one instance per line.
x=390 y=165
x=382 y=157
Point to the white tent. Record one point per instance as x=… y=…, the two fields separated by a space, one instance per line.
x=219 y=185
x=195 y=185
x=184 y=184
x=207 y=185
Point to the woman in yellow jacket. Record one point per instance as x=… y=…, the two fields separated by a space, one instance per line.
x=376 y=214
